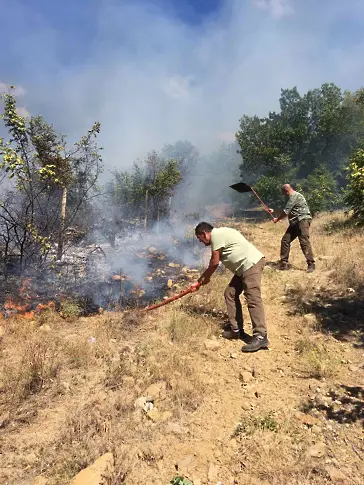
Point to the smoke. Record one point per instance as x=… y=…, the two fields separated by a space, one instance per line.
x=152 y=72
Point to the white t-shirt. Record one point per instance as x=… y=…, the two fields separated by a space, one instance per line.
x=236 y=253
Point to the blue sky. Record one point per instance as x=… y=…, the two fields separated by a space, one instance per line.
x=156 y=71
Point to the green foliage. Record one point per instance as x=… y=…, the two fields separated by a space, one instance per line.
x=154 y=178
x=36 y=160
x=311 y=137
x=70 y=309
x=250 y=424
x=320 y=191
x=316 y=359
x=184 y=153
x=269 y=189
x=354 y=196
x=179 y=480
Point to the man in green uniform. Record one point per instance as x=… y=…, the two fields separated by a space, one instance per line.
x=299 y=218
x=230 y=247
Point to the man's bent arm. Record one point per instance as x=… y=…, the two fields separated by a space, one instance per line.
x=212 y=267
x=281 y=216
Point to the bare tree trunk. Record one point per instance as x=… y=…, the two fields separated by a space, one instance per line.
x=146 y=209
x=62 y=225
x=114 y=217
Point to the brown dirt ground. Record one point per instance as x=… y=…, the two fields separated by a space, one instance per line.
x=220 y=430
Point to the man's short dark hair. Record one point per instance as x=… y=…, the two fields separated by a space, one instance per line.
x=203 y=227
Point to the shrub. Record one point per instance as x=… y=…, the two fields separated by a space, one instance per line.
x=320 y=191
x=354 y=196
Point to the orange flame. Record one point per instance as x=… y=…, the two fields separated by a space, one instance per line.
x=41 y=307
x=21 y=305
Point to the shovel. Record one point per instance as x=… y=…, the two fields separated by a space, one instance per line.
x=242 y=188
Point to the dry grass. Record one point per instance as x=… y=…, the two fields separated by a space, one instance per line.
x=88 y=372
x=317 y=360
x=342 y=246
x=30 y=363
x=274 y=450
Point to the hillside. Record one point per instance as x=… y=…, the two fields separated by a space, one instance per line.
x=74 y=389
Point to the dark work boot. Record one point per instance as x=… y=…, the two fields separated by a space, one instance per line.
x=283 y=265
x=310 y=267
x=258 y=342
x=231 y=334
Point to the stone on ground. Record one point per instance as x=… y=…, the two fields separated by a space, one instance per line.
x=95 y=473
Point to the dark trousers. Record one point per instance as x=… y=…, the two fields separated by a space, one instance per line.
x=249 y=283
x=302 y=231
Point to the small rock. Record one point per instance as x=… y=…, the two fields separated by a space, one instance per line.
x=233 y=356
x=128 y=380
x=169 y=283
x=316 y=451
x=255 y=373
x=310 y=318
x=246 y=406
x=152 y=250
x=212 y=472
x=65 y=386
x=39 y=481
x=211 y=344
x=3 y=422
x=246 y=377
x=157 y=416
x=335 y=475
x=156 y=391
x=143 y=403
x=353 y=368
x=351 y=291
x=174 y=265
x=45 y=328
x=186 y=464
x=306 y=419
x=94 y=474
x=288 y=289
x=177 y=429
x=233 y=443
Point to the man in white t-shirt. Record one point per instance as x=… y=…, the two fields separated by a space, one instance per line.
x=230 y=247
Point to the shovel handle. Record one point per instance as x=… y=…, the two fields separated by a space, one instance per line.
x=194 y=287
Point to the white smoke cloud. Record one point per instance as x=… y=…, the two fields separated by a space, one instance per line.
x=278 y=8
x=151 y=78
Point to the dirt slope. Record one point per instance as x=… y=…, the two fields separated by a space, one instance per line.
x=290 y=415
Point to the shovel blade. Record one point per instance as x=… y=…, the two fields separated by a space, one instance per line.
x=241 y=187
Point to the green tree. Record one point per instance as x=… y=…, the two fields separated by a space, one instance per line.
x=184 y=153
x=161 y=177
x=142 y=194
x=40 y=167
x=320 y=191
x=315 y=131
x=354 y=196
